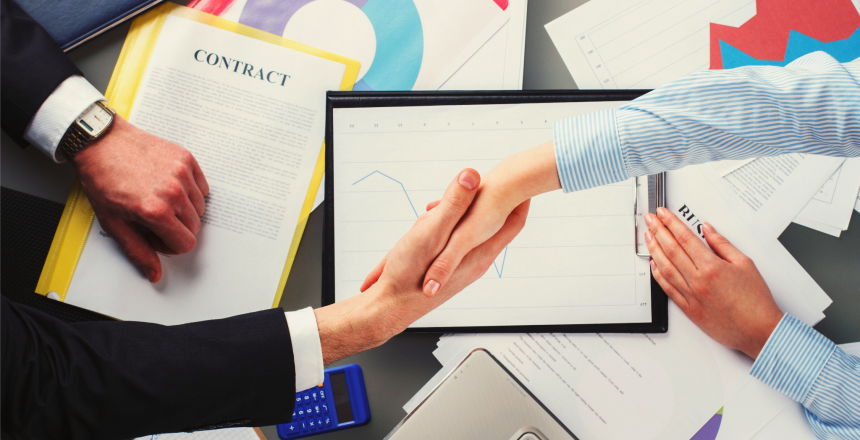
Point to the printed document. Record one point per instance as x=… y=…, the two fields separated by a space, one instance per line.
x=252 y=113
x=635 y=44
x=770 y=191
x=574 y=262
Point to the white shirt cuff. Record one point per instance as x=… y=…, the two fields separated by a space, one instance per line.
x=57 y=113
x=307 y=350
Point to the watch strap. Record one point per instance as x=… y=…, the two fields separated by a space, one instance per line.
x=73 y=141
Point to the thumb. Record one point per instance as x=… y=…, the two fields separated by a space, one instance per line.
x=134 y=245
x=721 y=245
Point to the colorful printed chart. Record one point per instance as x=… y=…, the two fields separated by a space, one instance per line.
x=784 y=30
x=401 y=44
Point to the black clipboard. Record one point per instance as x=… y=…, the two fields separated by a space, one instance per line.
x=659 y=301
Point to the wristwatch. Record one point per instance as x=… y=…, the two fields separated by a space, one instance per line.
x=93 y=123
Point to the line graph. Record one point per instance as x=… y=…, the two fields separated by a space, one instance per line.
x=499 y=270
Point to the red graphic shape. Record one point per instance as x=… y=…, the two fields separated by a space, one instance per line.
x=502 y=4
x=214 y=7
x=765 y=36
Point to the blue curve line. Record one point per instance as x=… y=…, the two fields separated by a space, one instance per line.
x=394 y=180
x=504 y=257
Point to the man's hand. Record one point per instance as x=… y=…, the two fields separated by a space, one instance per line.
x=722 y=293
x=392 y=296
x=146 y=192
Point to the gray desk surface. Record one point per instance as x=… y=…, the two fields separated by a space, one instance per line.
x=396 y=370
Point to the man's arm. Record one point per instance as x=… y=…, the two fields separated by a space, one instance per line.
x=147 y=193
x=32 y=67
x=111 y=379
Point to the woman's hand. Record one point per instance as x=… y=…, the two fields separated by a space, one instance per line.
x=721 y=291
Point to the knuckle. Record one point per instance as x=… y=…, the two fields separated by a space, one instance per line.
x=683 y=239
x=670 y=250
x=154 y=211
x=442 y=268
x=458 y=201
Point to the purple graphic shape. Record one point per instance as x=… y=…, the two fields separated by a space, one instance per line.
x=710 y=430
x=273 y=15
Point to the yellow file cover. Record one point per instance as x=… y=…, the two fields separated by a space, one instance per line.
x=78 y=215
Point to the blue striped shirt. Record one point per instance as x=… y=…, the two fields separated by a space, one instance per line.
x=810 y=106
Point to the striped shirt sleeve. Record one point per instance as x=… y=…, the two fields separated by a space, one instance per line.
x=810 y=106
x=806 y=366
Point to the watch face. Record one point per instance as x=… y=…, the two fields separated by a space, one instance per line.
x=94 y=119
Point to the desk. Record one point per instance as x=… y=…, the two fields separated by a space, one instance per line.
x=396 y=370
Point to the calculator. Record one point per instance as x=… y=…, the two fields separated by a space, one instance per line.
x=340 y=402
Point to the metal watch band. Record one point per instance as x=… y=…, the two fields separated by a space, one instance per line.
x=72 y=142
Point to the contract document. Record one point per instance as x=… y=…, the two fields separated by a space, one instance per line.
x=252 y=113
x=573 y=263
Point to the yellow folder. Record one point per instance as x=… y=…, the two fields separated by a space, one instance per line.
x=78 y=215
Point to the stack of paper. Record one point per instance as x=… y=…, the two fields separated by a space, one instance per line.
x=830 y=209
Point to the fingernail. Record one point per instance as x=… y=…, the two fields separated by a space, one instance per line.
x=648 y=219
x=469 y=180
x=150 y=275
x=431 y=287
x=661 y=212
x=648 y=237
x=653 y=266
x=708 y=228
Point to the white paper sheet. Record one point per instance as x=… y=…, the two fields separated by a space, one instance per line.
x=218 y=434
x=769 y=192
x=575 y=257
x=498 y=64
x=725 y=167
x=634 y=44
x=256 y=141
x=833 y=204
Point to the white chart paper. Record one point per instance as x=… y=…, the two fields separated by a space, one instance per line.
x=574 y=262
x=834 y=202
x=635 y=44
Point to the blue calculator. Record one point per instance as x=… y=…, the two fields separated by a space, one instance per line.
x=339 y=403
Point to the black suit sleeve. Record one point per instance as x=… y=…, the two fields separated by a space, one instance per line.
x=119 y=380
x=32 y=66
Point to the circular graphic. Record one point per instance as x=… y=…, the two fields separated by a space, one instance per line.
x=355 y=38
x=396 y=26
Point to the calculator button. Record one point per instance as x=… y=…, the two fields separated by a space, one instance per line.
x=304 y=425
x=324 y=408
x=294 y=414
x=327 y=421
x=317 y=410
x=319 y=422
x=306 y=398
x=312 y=424
x=301 y=412
x=314 y=396
x=292 y=429
x=298 y=400
x=322 y=394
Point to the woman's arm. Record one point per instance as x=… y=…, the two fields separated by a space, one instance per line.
x=810 y=106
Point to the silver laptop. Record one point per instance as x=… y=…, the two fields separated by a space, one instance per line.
x=480 y=399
